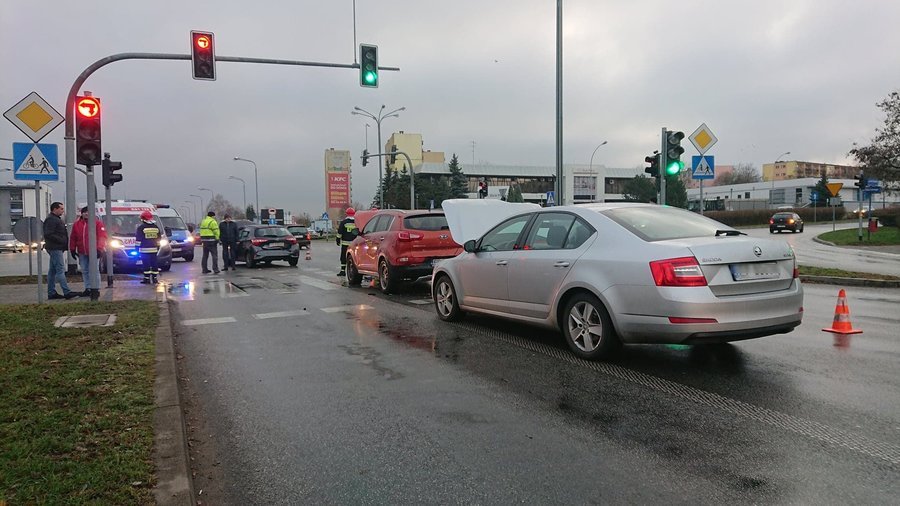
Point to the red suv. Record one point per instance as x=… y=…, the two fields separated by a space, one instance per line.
x=397 y=246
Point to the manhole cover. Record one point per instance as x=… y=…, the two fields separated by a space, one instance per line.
x=86 y=320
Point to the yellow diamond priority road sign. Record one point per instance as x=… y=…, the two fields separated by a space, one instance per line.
x=703 y=139
x=34 y=117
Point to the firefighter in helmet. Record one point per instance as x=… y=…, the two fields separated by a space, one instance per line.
x=147 y=237
x=346 y=233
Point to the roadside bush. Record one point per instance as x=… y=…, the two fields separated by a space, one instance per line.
x=888 y=217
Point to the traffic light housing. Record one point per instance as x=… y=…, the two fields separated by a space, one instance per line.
x=109 y=171
x=203 y=56
x=87 y=130
x=392 y=159
x=365 y=157
x=653 y=168
x=368 y=66
x=861 y=181
x=673 y=153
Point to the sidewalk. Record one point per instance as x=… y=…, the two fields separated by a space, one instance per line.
x=121 y=290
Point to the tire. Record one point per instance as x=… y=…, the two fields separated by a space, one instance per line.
x=387 y=278
x=771 y=231
x=445 y=302
x=293 y=262
x=189 y=258
x=801 y=228
x=248 y=259
x=593 y=341
x=354 y=278
x=165 y=268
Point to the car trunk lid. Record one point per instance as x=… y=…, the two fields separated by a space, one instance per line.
x=426 y=237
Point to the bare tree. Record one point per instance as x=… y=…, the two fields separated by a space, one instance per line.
x=742 y=173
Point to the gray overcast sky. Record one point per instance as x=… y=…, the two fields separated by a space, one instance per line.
x=766 y=76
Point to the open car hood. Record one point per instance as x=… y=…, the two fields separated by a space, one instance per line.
x=471 y=218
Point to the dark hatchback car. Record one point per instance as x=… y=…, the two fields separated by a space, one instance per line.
x=300 y=233
x=785 y=221
x=266 y=243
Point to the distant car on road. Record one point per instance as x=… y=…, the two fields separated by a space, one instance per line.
x=397 y=246
x=266 y=243
x=301 y=233
x=785 y=221
x=607 y=274
x=180 y=239
x=8 y=242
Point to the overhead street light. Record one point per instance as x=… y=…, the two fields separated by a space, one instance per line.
x=602 y=179
x=378 y=118
x=212 y=196
x=256 y=184
x=244 y=185
x=202 y=206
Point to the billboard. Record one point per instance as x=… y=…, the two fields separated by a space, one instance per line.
x=338 y=195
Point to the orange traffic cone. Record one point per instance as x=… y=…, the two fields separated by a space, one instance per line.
x=841 y=324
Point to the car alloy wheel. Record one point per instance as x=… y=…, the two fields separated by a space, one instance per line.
x=588 y=328
x=353 y=275
x=445 y=301
x=386 y=277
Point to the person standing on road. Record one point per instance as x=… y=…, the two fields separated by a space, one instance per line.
x=56 y=242
x=228 y=237
x=346 y=233
x=209 y=236
x=79 y=247
x=147 y=236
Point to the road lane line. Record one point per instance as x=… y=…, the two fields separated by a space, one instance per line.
x=281 y=314
x=322 y=285
x=352 y=307
x=207 y=321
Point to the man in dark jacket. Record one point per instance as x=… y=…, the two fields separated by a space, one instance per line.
x=56 y=242
x=228 y=233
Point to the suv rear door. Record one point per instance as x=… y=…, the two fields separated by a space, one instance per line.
x=425 y=238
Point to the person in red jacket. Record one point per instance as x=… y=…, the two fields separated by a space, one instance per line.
x=78 y=247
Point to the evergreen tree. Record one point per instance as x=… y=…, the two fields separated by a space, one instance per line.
x=676 y=193
x=514 y=194
x=821 y=189
x=251 y=213
x=640 y=188
x=459 y=185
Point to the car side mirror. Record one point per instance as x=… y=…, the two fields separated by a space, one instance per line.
x=469 y=246
x=168 y=231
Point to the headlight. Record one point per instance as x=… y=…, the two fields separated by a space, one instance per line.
x=115 y=243
x=190 y=238
x=163 y=242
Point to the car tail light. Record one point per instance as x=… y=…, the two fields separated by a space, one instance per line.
x=791 y=221
x=409 y=236
x=292 y=240
x=771 y=221
x=683 y=271
x=258 y=242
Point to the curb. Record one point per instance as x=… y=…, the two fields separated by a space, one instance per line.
x=822 y=241
x=170 y=451
x=831 y=280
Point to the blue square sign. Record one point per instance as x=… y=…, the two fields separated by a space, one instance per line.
x=35 y=162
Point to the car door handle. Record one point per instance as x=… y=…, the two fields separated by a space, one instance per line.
x=502 y=262
x=561 y=264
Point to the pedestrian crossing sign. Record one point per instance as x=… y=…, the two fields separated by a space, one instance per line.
x=35 y=162
x=703 y=167
x=551 y=198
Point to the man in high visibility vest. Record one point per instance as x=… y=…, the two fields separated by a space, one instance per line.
x=346 y=233
x=209 y=236
x=147 y=237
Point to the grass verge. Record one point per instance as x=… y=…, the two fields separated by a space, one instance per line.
x=839 y=273
x=886 y=236
x=76 y=406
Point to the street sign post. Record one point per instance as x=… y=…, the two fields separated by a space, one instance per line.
x=35 y=162
x=702 y=167
x=34 y=117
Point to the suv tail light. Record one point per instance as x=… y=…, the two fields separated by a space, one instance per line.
x=291 y=239
x=258 y=242
x=771 y=221
x=409 y=236
x=683 y=271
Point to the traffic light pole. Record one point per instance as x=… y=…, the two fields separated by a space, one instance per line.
x=108 y=250
x=412 y=179
x=93 y=271
x=662 y=166
x=80 y=80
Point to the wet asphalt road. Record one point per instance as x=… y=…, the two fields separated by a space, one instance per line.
x=318 y=393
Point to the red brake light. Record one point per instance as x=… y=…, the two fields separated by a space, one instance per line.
x=771 y=221
x=409 y=236
x=677 y=319
x=683 y=271
x=258 y=242
x=291 y=239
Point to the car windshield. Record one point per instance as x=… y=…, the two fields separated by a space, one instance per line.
x=658 y=223
x=123 y=224
x=426 y=222
x=272 y=232
x=173 y=222
x=7 y=237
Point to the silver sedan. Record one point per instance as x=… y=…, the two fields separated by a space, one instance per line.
x=607 y=274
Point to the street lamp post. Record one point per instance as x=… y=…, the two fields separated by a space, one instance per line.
x=602 y=179
x=244 y=185
x=256 y=184
x=193 y=209
x=202 y=206
x=212 y=196
x=377 y=118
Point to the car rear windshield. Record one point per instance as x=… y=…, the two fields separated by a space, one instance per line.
x=426 y=222
x=297 y=230
x=783 y=215
x=272 y=232
x=658 y=223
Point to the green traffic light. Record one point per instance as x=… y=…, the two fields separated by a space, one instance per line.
x=371 y=77
x=674 y=167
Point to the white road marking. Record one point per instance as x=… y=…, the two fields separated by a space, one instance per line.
x=337 y=309
x=323 y=285
x=281 y=314
x=206 y=321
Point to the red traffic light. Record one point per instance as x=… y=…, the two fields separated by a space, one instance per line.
x=88 y=107
x=203 y=42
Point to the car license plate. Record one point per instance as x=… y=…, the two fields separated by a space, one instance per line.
x=273 y=245
x=755 y=271
x=139 y=262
